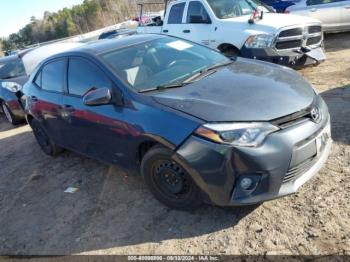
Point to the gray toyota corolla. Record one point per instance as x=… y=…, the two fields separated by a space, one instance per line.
x=197 y=125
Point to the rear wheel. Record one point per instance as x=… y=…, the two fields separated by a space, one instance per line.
x=168 y=180
x=45 y=142
x=8 y=114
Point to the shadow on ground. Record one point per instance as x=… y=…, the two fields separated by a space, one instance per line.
x=110 y=209
x=338 y=101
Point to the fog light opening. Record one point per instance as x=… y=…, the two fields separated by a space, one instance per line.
x=246 y=183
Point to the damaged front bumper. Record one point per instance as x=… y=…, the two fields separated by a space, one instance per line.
x=292 y=58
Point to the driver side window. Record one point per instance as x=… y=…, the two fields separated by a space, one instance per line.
x=83 y=75
x=196 y=9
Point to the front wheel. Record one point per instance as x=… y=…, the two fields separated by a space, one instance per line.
x=168 y=180
x=45 y=142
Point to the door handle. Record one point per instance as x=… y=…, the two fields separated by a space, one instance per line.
x=165 y=31
x=186 y=31
x=33 y=99
x=68 y=108
x=313 y=10
x=347 y=7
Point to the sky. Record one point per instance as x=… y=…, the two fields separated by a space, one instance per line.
x=15 y=14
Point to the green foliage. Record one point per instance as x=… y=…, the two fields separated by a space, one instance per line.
x=88 y=16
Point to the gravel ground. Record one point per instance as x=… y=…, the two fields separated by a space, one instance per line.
x=113 y=213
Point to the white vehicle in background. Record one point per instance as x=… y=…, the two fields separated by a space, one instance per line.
x=244 y=28
x=333 y=14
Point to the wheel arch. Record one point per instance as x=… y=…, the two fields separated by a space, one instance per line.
x=223 y=47
x=149 y=142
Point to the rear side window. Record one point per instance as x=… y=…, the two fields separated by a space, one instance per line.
x=84 y=75
x=196 y=8
x=176 y=13
x=37 y=80
x=52 y=76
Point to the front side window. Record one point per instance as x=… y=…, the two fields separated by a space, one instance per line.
x=84 y=76
x=12 y=68
x=196 y=8
x=176 y=13
x=52 y=76
x=162 y=61
x=224 y=9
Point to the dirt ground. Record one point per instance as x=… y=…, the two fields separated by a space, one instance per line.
x=113 y=213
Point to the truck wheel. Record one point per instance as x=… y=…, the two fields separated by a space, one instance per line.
x=229 y=50
x=9 y=115
x=168 y=181
x=45 y=142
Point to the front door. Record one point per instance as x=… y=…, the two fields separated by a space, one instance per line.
x=95 y=131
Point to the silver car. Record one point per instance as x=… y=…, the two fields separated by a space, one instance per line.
x=334 y=14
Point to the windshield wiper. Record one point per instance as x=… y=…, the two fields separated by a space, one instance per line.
x=162 y=87
x=207 y=71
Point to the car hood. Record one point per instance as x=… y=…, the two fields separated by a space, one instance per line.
x=273 y=21
x=247 y=90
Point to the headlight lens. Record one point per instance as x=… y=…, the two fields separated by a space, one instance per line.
x=237 y=134
x=259 y=41
x=11 y=86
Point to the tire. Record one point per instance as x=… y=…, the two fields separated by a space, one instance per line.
x=8 y=114
x=45 y=142
x=168 y=180
x=230 y=52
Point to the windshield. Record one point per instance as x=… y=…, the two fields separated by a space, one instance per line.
x=161 y=62
x=12 y=68
x=224 y=9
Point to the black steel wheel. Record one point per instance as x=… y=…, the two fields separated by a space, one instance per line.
x=168 y=180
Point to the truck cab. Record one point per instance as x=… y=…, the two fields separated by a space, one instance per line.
x=245 y=28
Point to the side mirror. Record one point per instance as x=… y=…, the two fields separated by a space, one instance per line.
x=96 y=97
x=198 y=19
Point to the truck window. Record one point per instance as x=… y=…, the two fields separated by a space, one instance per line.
x=196 y=8
x=224 y=9
x=176 y=13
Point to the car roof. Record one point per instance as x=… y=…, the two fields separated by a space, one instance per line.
x=36 y=56
x=9 y=58
x=104 y=46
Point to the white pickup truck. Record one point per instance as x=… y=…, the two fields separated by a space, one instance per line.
x=243 y=27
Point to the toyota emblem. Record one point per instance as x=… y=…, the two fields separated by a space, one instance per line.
x=315 y=115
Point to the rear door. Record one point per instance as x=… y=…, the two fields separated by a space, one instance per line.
x=174 y=19
x=46 y=99
x=327 y=11
x=194 y=29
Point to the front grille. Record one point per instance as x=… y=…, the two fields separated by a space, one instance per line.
x=288 y=44
x=296 y=171
x=291 y=32
x=314 y=29
x=298 y=37
x=314 y=40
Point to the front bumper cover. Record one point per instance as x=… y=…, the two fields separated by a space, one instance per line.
x=217 y=169
x=291 y=58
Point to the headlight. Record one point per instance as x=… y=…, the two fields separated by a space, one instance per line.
x=11 y=86
x=259 y=41
x=237 y=134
